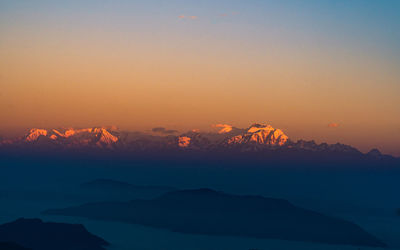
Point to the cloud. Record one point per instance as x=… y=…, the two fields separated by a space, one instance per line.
x=188 y=17
x=225 y=128
x=162 y=130
x=333 y=125
x=225 y=14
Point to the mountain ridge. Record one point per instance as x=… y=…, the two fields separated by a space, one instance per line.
x=256 y=138
x=209 y=212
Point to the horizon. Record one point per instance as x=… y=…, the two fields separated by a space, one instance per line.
x=213 y=128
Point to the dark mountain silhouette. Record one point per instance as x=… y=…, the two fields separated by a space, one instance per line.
x=11 y=246
x=38 y=235
x=205 y=211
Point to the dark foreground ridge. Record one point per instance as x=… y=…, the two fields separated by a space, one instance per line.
x=35 y=234
x=11 y=246
x=205 y=211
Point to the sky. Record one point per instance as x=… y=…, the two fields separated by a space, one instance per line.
x=322 y=70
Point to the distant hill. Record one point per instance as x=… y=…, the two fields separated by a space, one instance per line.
x=205 y=211
x=35 y=234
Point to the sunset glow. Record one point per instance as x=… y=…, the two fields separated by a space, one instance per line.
x=186 y=65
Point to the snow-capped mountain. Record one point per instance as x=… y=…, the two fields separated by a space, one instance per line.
x=98 y=136
x=260 y=134
x=255 y=138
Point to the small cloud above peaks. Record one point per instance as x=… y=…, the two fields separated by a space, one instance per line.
x=165 y=131
x=158 y=129
x=333 y=125
x=187 y=17
x=194 y=17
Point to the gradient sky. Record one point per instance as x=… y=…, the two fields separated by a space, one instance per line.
x=298 y=65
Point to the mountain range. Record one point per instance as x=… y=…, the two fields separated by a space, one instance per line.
x=256 y=138
x=209 y=212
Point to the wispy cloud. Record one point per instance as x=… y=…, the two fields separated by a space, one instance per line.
x=187 y=17
x=162 y=130
x=333 y=125
x=193 y=17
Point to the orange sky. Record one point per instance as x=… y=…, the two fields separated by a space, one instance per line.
x=143 y=71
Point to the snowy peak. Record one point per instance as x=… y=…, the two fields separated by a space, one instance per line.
x=83 y=137
x=35 y=133
x=71 y=132
x=260 y=134
x=184 y=141
x=256 y=127
x=256 y=138
x=105 y=137
x=223 y=128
